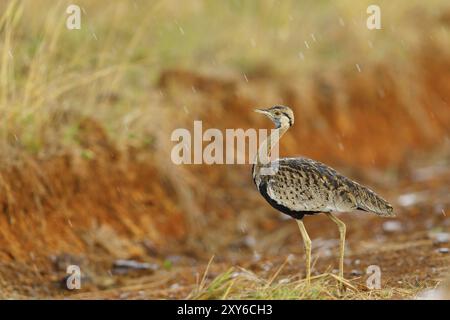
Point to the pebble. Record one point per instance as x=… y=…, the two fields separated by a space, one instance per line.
x=443 y=250
x=175 y=286
x=122 y=266
x=249 y=241
x=409 y=199
x=392 y=226
x=440 y=237
x=356 y=272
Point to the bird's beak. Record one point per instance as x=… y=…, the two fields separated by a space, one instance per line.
x=262 y=111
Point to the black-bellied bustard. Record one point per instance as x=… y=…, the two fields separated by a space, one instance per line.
x=301 y=186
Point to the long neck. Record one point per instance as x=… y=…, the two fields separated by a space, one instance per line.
x=266 y=147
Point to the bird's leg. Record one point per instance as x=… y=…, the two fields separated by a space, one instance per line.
x=342 y=228
x=307 y=242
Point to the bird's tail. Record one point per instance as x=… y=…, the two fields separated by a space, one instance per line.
x=370 y=201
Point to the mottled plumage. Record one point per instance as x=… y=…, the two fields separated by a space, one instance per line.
x=301 y=186
x=305 y=186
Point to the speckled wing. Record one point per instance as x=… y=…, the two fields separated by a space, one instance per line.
x=302 y=184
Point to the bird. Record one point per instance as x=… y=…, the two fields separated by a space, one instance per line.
x=302 y=187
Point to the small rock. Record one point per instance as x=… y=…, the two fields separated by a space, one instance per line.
x=443 y=250
x=122 y=266
x=256 y=256
x=392 y=226
x=175 y=286
x=410 y=199
x=124 y=295
x=440 y=237
x=249 y=241
x=356 y=272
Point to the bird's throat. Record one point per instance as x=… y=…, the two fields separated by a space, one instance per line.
x=265 y=149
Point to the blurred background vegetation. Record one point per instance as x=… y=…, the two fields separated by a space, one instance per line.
x=122 y=48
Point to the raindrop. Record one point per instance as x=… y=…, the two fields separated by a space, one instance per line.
x=313 y=37
x=306 y=44
x=358 y=67
x=122 y=265
x=432 y=294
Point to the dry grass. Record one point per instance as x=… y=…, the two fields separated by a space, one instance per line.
x=239 y=283
x=51 y=76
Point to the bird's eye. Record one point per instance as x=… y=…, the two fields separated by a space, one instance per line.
x=277 y=113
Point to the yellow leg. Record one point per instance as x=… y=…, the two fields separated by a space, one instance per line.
x=342 y=229
x=307 y=242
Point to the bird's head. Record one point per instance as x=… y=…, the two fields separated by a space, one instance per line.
x=282 y=116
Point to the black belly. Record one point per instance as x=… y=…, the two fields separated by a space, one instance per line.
x=294 y=214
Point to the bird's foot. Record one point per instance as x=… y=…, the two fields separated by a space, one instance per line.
x=343 y=284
